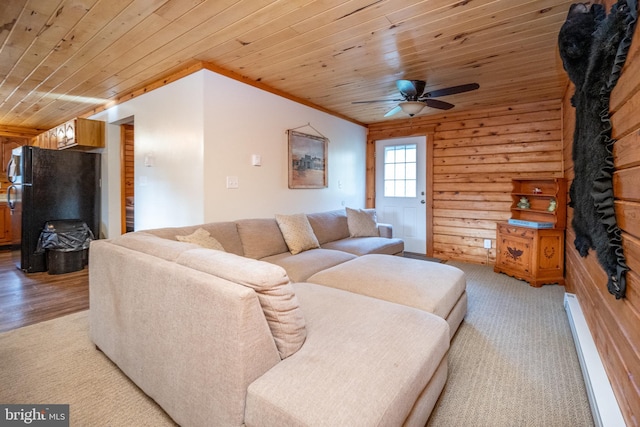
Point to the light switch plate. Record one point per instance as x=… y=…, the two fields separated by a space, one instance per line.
x=232 y=182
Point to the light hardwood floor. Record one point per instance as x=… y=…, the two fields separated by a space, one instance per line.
x=31 y=298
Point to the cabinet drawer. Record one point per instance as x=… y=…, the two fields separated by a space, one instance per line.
x=513 y=230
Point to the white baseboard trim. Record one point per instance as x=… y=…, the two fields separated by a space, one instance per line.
x=604 y=406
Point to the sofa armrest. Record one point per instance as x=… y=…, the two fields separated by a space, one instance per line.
x=190 y=340
x=385 y=230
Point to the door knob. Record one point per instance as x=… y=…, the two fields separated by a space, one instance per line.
x=423 y=202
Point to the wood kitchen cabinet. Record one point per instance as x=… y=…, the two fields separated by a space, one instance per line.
x=5 y=224
x=44 y=141
x=77 y=133
x=532 y=254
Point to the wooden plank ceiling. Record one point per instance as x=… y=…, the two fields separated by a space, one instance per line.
x=62 y=58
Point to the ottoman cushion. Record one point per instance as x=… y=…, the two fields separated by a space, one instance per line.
x=426 y=285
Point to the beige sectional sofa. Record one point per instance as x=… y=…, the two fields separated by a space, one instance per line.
x=262 y=239
x=256 y=335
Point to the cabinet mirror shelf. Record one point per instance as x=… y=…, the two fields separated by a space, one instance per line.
x=544 y=211
x=533 y=194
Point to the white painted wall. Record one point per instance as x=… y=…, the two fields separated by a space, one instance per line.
x=240 y=121
x=204 y=128
x=168 y=124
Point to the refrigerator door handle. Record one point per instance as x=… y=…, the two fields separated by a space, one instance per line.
x=9 y=202
x=10 y=171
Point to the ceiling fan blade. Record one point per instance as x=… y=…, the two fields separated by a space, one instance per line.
x=377 y=100
x=452 y=90
x=393 y=111
x=441 y=105
x=411 y=89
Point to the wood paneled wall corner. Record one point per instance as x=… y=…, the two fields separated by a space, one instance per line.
x=370 y=179
x=614 y=324
x=568 y=126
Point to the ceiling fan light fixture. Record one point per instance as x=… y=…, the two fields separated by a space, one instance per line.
x=412 y=107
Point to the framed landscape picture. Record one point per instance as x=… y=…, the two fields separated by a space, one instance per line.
x=307 y=160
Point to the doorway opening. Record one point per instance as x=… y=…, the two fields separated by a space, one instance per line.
x=127 y=177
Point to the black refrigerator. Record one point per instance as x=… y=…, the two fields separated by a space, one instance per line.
x=49 y=185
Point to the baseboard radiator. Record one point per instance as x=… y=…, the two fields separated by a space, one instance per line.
x=604 y=407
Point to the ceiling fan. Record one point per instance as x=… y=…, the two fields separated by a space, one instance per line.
x=414 y=98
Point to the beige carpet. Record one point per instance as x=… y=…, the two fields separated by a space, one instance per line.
x=55 y=362
x=512 y=363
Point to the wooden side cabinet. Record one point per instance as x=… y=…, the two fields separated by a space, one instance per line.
x=533 y=255
x=525 y=251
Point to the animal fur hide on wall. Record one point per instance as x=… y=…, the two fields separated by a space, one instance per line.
x=593 y=47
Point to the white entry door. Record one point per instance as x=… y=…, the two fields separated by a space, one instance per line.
x=401 y=189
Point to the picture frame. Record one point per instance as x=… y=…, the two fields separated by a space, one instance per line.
x=307 y=160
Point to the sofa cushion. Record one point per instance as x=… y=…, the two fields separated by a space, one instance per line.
x=270 y=282
x=261 y=237
x=297 y=232
x=355 y=368
x=367 y=245
x=329 y=226
x=201 y=237
x=301 y=266
x=151 y=244
x=362 y=222
x=224 y=232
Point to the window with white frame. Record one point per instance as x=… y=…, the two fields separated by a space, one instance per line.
x=400 y=170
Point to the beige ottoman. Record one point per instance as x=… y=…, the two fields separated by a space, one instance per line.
x=436 y=288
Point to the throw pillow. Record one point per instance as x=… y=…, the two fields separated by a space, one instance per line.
x=362 y=222
x=297 y=232
x=202 y=237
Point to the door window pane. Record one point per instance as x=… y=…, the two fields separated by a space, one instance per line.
x=400 y=170
x=411 y=171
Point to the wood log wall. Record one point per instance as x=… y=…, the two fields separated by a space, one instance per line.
x=474 y=158
x=615 y=324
